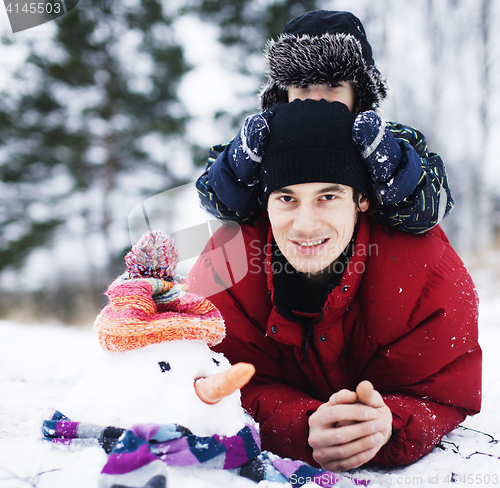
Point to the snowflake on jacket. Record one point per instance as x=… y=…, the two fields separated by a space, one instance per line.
x=413 y=201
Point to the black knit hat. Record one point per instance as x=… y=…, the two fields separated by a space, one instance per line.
x=311 y=142
x=319 y=47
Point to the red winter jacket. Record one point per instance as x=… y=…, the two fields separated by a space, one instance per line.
x=404 y=317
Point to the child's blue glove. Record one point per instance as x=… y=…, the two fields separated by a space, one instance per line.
x=394 y=166
x=247 y=149
x=235 y=172
x=377 y=146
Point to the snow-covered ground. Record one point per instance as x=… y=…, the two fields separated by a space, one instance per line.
x=40 y=363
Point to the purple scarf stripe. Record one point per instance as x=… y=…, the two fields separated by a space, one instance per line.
x=127 y=462
x=176 y=453
x=145 y=431
x=67 y=429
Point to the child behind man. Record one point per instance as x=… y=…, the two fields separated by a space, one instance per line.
x=326 y=55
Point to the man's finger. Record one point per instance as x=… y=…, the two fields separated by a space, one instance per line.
x=330 y=415
x=364 y=392
x=343 y=397
x=367 y=395
x=320 y=438
x=349 y=455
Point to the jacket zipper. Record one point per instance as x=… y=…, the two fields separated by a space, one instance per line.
x=307 y=336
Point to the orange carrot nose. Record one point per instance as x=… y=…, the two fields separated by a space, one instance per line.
x=214 y=388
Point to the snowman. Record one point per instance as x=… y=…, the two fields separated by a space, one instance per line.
x=159 y=396
x=157 y=366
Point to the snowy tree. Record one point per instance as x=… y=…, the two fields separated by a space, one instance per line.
x=89 y=120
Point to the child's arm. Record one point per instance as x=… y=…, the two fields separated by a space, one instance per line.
x=431 y=201
x=210 y=200
x=410 y=183
x=229 y=188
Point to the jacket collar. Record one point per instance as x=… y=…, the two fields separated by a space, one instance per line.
x=285 y=285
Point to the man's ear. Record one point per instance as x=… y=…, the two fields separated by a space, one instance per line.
x=364 y=203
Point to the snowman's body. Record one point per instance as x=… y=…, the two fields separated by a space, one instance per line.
x=155 y=384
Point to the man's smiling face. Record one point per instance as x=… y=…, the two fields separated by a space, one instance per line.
x=313 y=223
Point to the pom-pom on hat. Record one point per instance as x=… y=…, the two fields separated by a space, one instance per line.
x=149 y=303
x=319 y=47
x=153 y=256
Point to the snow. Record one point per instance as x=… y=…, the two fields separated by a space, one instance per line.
x=40 y=364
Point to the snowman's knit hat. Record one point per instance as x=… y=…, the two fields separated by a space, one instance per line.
x=149 y=303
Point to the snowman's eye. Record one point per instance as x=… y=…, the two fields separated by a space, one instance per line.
x=217 y=363
x=164 y=366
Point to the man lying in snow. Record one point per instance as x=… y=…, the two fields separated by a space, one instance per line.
x=364 y=338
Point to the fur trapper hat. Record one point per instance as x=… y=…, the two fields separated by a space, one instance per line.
x=322 y=47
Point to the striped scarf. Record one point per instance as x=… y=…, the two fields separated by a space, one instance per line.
x=137 y=457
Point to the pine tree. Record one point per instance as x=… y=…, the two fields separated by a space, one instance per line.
x=86 y=126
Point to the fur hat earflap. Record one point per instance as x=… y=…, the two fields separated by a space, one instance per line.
x=319 y=47
x=271 y=94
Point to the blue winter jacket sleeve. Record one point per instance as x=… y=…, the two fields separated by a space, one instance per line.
x=431 y=199
x=218 y=188
x=423 y=207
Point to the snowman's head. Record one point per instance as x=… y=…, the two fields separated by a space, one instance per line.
x=158 y=384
